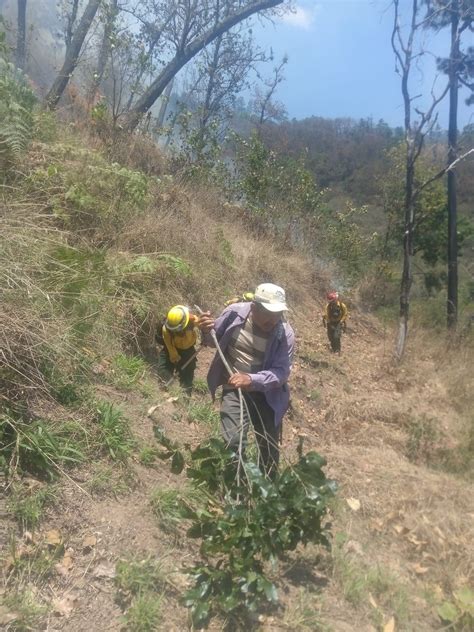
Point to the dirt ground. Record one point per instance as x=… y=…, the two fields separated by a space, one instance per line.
x=403 y=530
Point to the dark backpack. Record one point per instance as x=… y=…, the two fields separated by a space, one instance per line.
x=335 y=311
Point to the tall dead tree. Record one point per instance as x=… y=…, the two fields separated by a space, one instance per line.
x=21 y=35
x=75 y=36
x=415 y=133
x=264 y=105
x=189 y=32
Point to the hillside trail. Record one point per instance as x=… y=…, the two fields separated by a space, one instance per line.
x=393 y=517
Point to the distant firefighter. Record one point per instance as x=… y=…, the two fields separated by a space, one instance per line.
x=246 y=297
x=334 y=319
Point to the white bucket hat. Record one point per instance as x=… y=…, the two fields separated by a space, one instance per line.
x=271 y=297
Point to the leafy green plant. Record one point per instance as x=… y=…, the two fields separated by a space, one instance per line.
x=39 y=447
x=203 y=413
x=114 y=430
x=423 y=435
x=358 y=580
x=27 y=506
x=134 y=577
x=111 y=481
x=140 y=584
x=200 y=386
x=23 y=610
x=127 y=370
x=148 y=455
x=166 y=504
x=303 y=614
x=244 y=526
x=172 y=450
x=144 y=615
x=16 y=111
x=458 y=614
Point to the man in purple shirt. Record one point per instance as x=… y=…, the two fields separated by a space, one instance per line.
x=258 y=345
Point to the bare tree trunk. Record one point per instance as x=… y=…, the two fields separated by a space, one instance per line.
x=72 y=55
x=407 y=276
x=182 y=57
x=405 y=59
x=21 y=35
x=112 y=11
x=452 y=305
x=164 y=103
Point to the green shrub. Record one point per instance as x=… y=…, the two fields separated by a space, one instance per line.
x=458 y=614
x=27 y=506
x=114 y=431
x=127 y=370
x=39 y=447
x=135 y=577
x=245 y=522
x=16 y=110
x=144 y=615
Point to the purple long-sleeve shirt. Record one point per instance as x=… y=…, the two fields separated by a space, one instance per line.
x=272 y=380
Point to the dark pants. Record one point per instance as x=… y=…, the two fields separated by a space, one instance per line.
x=262 y=418
x=166 y=368
x=334 y=335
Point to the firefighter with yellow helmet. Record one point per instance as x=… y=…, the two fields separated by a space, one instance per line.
x=178 y=335
x=246 y=297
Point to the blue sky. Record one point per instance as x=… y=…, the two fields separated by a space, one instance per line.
x=341 y=62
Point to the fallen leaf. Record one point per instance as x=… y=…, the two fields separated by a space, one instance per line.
x=419 y=569
x=89 y=541
x=172 y=400
x=353 y=503
x=414 y=540
x=64 y=566
x=389 y=626
x=440 y=533
x=63 y=607
x=105 y=570
x=377 y=525
x=372 y=602
x=152 y=409
x=399 y=528
x=53 y=537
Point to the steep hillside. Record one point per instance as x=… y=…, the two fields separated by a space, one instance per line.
x=93 y=252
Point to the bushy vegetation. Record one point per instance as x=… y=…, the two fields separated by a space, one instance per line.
x=16 y=110
x=245 y=524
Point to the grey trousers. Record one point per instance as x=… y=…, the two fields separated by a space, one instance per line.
x=262 y=418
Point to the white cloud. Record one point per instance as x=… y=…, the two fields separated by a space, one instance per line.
x=300 y=17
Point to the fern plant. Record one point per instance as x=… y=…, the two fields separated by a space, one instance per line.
x=16 y=110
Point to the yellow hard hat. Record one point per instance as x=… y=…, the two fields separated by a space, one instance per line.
x=177 y=318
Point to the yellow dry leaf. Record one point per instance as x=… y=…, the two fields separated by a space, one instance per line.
x=353 y=503
x=63 y=607
x=64 y=566
x=419 y=569
x=389 y=626
x=372 y=601
x=89 y=541
x=53 y=537
x=399 y=528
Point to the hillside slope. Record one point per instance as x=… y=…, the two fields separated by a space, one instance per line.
x=109 y=253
